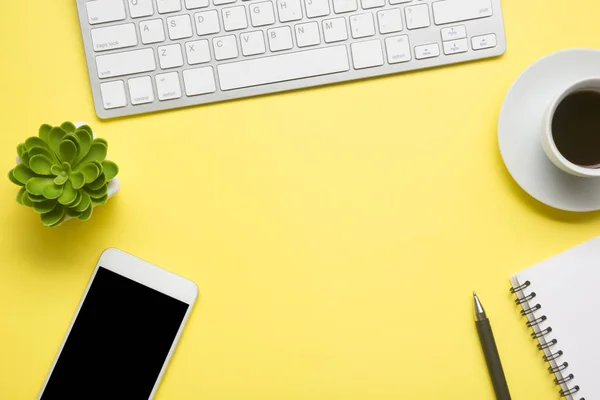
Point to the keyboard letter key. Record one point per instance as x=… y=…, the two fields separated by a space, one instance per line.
x=207 y=22
x=316 y=8
x=252 y=43
x=334 y=30
x=152 y=31
x=131 y=62
x=289 y=10
x=140 y=8
x=285 y=67
x=448 y=11
x=262 y=13
x=198 y=52
x=225 y=47
x=168 y=6
x=100 y=11
x=170 y=56
x=180 y=27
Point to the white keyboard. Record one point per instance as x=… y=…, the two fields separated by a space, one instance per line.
x=150 y=55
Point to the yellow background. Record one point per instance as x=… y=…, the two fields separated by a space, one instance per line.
x=335 y=233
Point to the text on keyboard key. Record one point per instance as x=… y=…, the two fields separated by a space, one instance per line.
x=334 y=30
x=456 y=46
x=417 y=16
x=307 y=34
x=199 y=81
x=289 y=10
x=427 y=51
x=140 y=90
x=168 y=86
x=262 y=13
x=114 y=37
x=285 y=67
x=152 y=31
x=454 y=32
x=207 y=22
x=198 y=52
x=234 y=18
x=280 y=38
x=127 y=63
x=253 y=43
x=389 y=20
x=483 y=41
x=170 y=56
x=140 y=8
x=113 y=95
x=180 y=27
x=367 y=54
x=398 y=49
x=225 y=47
x=362 y=25
x=101 y=11
x=448 y=11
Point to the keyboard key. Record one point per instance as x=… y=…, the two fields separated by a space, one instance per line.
x=367 y=54
x=114 y=37
x=253 y=43
x=316 y=8
x=170 y=56
x=289 y=10
x=427 y=51
x=140 y=90
x=397 y=49
x=448 y=11
x=285 y=67
x=180 y=27
x=334 y=30
x=168 y=86
x=193 y=4
x=199 y=81
x=366 y=4
x=307 y=34
x=113 y=95
x=417 y=16
x=262 y=13
x=483 y=41
x=140 y=8
x=152 y=31
x=343 y=6
x=456 y=46
x=362 y=25
x=101 y=11
x=225 y=47
x=197 y=52
x=168 y=6
x=127 y=63
x=280 y=38
x=454 y=32
x=207 y=22
x=399 y=1
x=234 y=18
x=389 y=20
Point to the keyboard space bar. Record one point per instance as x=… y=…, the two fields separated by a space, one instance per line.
x=285 y=67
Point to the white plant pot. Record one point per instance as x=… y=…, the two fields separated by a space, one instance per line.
x=113 y=186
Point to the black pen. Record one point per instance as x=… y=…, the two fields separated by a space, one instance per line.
x=490 y=351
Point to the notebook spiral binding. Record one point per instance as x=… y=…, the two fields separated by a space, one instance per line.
x=557 y=368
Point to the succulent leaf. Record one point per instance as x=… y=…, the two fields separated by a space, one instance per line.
x=40 y=164
x=90 y=172
x=96 y=194
x=54 y=217
x=21 y=148
x=44 y=206
x=110 y=169
x=77 y=179
x=25 y=158
x=97 y=153
x=35 y=198
x=98 y=202
x=87 y=214
x=52 y=191
x=23 y=173
x=42 y=151
x=68 y=127
x=44 y=132
x=68 y=196
x=36 y=185
x=26 y=201
x=98 y=183
x=54 y=138
x=84 y=203
x=102 y=141
x=67 y=150
x=22 y=192
x=12 y=178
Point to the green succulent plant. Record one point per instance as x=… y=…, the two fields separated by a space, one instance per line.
x=64 y=172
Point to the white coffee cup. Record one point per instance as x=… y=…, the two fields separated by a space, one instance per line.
x=548 y=143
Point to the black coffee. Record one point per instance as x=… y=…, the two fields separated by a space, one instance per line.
x=576 y=128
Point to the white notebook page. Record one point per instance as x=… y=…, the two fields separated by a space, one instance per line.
x=567 y=287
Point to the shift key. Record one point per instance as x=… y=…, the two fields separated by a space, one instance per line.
x=450 y=11
x=127 y=63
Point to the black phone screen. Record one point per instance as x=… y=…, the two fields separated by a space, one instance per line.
x=119 y=341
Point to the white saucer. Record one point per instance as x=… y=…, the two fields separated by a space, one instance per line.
x=520 y=124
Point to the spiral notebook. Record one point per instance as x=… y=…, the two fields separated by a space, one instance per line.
x=561 y=299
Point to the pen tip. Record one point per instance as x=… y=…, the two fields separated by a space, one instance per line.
x=474 y=294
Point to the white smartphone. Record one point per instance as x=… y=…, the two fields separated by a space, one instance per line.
x=124 y=332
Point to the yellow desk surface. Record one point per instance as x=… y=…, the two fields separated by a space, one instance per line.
x=336 y=234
